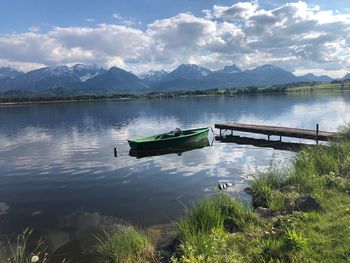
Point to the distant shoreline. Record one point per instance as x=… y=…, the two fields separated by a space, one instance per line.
x=230 y=92
x=48 y=101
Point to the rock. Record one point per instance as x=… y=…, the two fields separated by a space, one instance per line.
x=290 y=194
x=230 y=225
x=291 y=207
x=264 y=212
x=222 y=186
x=307 y=203
x=248 y=190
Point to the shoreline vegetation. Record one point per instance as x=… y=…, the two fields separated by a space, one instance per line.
x=62 y=95
x=299 y=213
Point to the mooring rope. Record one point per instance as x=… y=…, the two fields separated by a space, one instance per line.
x=213 y=131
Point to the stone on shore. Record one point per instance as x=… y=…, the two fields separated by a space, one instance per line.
x=307 y=203
x=264 y=212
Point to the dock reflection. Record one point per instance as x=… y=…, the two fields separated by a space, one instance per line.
x=278 y=145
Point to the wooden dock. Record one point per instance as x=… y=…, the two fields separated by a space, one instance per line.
x=279 y=131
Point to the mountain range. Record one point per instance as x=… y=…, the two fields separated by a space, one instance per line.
x=92 y=78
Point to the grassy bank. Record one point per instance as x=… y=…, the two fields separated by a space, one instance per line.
x=126 y=244
x=284 y=228
x=299 y=214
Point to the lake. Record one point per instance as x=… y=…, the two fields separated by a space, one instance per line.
x=59 y=174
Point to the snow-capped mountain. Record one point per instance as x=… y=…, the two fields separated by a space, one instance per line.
x=53 y=71
x=46 y=78
x=187 y=71
x=8 y=72
x=153 y=76
x=190 y=77
x=52 y=77
x=92 y=78
x=85 y=72
x=116 y=79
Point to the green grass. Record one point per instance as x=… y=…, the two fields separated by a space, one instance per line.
x=329 y=232
x=323 y=172
x=322 y=236
x=317 y=169
x=219 y=211
x=205 y=230
x=318 y=87
x=21 y=250
x=344 y=130
x=314 y=236
x=266 y=189
x=126 y=244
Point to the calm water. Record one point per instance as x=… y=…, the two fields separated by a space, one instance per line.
x=59 y=173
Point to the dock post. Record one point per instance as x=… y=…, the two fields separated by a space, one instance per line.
x=317 y=133
x=220 y=133
x=115 y=152
x=268 y=137
x=280 y=138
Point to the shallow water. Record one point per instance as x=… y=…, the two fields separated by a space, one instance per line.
x=59 y=174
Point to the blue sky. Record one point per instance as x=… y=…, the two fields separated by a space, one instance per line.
x=142 y=34
x=19 y=15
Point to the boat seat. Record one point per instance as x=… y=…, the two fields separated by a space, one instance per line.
x=177 y=132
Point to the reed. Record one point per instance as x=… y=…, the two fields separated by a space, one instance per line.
x=126 y=244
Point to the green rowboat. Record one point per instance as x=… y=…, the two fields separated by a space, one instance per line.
x=169 y=140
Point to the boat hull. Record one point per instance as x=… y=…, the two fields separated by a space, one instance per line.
x=149 y=143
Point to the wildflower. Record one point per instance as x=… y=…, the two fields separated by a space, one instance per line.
x=35 y=259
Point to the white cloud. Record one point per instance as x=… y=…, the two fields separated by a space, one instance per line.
x=89 y=19
x=181 y=31
x=34 y=29
x=125 y=21
x=117 y=16
x=20 y=65
x=102 y=45
x=240 y=10
x=296 y=36
x=103 y=41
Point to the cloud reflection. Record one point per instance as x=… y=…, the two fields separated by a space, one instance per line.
x=69 y=164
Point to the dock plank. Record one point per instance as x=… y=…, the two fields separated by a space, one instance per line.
x=279 y=131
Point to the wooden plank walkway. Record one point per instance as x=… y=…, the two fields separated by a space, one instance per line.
x=279 y=131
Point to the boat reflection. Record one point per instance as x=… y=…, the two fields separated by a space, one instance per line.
x=178 y=149
x=278 y=145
